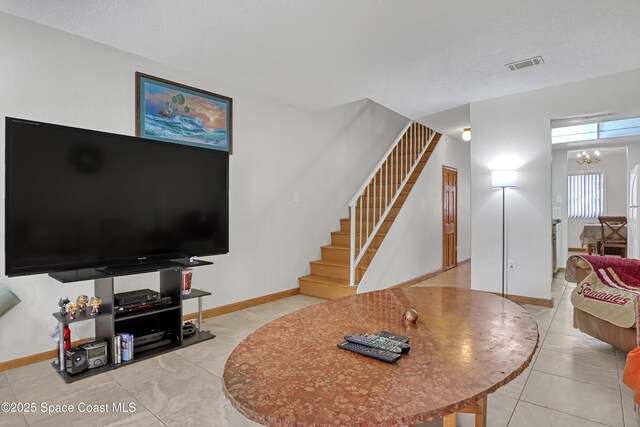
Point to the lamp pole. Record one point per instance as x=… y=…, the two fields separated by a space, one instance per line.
x=503 y=242
x=503 y=179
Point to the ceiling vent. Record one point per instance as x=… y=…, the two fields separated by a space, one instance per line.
x=518 y=65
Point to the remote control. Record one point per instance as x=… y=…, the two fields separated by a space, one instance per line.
x=393 y=336
x=379 y=342
x=385 y=356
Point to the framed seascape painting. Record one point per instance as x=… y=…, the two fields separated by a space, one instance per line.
x=171 y=112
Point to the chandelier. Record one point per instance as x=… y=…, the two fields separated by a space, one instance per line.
x=588 y=158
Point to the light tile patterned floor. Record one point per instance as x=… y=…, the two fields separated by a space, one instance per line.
x=574 y=380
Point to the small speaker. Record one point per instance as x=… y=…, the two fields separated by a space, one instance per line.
x=76 y=359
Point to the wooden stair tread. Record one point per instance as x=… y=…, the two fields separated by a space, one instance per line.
x=325 y=280
x=346 y=233
x=362 y=265
x=357 y=219
x=344 y=248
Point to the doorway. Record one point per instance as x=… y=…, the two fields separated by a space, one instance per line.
x=449 y=217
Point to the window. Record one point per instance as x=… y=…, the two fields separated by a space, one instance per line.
x=586 y=195
x=591 y=131
x=574 y=133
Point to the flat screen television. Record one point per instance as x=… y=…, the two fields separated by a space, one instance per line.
x=80 y=199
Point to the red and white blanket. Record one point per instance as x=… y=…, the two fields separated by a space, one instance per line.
x=610 y=291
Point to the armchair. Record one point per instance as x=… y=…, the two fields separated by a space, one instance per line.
x=605 y=298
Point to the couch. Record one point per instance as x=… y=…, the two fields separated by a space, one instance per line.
x=605 y=298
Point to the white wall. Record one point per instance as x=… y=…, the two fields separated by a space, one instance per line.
x=413 y=244
x=513 y=132
x=52 y=76
x=559 y=188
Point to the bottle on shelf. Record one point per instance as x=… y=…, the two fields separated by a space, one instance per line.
x=67 y=337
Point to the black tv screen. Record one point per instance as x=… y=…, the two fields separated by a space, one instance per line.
x=80 y=199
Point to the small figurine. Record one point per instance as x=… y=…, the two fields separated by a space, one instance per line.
x=72 y=308
x=82 y=302
x=410 y=316
x=95 y=305
x=62 y=303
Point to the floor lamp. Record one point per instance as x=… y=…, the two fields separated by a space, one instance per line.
x=503 y=179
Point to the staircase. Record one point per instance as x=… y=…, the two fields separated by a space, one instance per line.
x=371 y=213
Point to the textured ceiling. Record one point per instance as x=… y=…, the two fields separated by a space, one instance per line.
x=416 y=57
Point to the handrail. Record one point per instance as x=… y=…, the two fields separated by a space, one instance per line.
x=393 y=170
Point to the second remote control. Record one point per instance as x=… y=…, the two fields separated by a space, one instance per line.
x=375 y=341
x=393 y=336
x=385 y=356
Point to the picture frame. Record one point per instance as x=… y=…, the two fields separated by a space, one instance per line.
x=180 y=114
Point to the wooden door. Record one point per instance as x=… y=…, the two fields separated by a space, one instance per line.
x=449 y=217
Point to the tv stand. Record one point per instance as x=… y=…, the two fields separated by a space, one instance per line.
x=123 y=270
x=108 y=324
x=127 y=269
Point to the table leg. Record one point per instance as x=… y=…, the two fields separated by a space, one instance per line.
x=481 y=419
x=449 y=420
x=590 y=248
x=480 y=412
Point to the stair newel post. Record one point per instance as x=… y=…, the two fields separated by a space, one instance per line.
x=352 y=245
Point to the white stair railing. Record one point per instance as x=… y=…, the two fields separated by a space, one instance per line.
x=382 y=188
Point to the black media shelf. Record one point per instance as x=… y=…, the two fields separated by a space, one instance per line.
x=103 y=273
x=80 y=317
x=86 y=374
x=143 y=313
x=195 y=339
x=109 y=324
x=195 y=293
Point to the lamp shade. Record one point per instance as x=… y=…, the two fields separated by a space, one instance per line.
x=503 y=178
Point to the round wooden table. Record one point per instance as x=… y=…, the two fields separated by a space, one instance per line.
x=465 y=345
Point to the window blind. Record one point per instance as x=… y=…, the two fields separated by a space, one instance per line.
x=586 y=195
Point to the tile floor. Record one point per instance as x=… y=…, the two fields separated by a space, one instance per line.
x=573 y=381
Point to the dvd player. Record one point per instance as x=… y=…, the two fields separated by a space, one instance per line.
x=148 y=338
x=136 y=297
x=147 y=305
